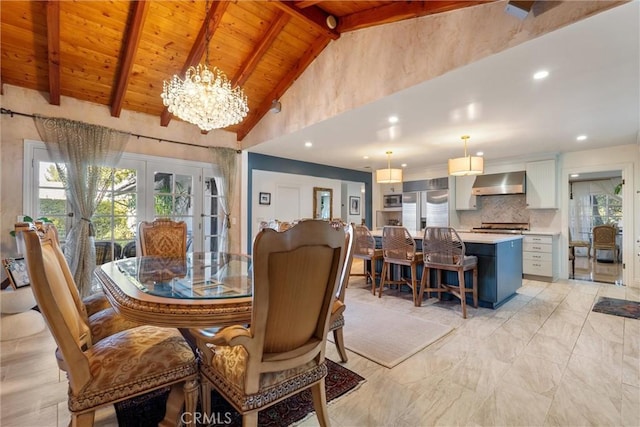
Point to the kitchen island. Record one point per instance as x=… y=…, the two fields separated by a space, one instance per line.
x=499 y=264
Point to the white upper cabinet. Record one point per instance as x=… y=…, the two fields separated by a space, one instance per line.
x=541 y=185
x=465 y=201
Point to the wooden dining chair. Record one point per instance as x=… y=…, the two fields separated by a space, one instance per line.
x=336 y=320
x=295 y=277
x=124 y=365
x=444 y=250
x=364 y=248
x=163 y=237
x=399 y=248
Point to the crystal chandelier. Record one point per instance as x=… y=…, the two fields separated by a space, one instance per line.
x=205 y=97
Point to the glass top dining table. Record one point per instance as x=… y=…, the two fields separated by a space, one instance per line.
x=204 y=289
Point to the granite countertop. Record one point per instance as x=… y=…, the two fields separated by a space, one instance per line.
x=488 y=238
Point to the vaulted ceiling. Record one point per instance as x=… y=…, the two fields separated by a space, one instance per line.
x=118 y=53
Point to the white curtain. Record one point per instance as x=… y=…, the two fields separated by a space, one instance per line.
x=580 y=208
x=226 y=160
x=83 y=153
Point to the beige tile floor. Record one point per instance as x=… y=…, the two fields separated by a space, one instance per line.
x=544 y=358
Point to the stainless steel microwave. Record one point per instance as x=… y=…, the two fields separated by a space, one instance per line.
x=392 y=201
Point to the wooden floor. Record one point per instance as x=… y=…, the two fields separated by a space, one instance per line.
x=542 y=359
x=587 y=268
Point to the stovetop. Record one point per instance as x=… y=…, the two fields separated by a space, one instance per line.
x=501 y=227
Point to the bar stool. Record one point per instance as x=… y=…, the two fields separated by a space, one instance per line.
x=364 y=248
x=444 y=250
x=399 y=248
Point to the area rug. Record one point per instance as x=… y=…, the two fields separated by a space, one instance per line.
x=618 y=307
x=387 y=336
x=148 y=410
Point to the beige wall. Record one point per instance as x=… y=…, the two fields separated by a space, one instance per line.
x=14 y=130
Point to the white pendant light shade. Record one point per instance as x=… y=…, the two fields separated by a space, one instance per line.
x=388 y=175
x=467 y=165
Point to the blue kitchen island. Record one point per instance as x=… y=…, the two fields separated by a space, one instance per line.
x=499 y=265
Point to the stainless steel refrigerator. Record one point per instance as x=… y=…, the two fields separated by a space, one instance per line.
x=422 y=209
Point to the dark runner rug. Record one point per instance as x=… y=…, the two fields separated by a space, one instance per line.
x=618 y=307
x=148 y=410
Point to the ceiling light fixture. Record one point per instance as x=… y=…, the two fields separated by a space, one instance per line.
x=388 y=175
x=205 y=97
x=542 y=74
x=467 y=165
x=581 y=138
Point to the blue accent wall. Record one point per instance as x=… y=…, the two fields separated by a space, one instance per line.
x=278 y=164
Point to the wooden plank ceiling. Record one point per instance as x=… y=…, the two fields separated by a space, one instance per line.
x=118 y=53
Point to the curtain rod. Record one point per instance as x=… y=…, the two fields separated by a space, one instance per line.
x=153 y=138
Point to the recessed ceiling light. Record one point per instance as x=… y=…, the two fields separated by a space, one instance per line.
x=308 y=144
x=365 y=157
x=393 y=119
x=542 y=74
x=575 y=175
x=404 y=165
x=581 y=138
x=480 y=153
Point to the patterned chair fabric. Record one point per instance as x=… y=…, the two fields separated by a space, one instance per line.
x=399 y=248
x=364 y=248
x=444 y=250
x=123 y=365
x=163 y=237
x=296 y=275
x=604 y=238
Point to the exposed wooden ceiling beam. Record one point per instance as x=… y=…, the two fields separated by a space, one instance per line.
x=306 y=3
x=282 y=86
x=207 y=30
x=313 y=15
x=399 y=10
x=129 y=49
x=263 y=45
x=53 y=50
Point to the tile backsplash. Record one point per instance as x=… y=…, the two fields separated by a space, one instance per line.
x=510 y=208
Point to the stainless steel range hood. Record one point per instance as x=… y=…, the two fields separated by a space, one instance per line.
x=499 y=183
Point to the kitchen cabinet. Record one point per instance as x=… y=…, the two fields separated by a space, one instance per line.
x=542 y=185
x=465 y=201
x=539 y=260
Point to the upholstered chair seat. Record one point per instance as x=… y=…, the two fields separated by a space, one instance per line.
x=133 y=361
x=228 y=366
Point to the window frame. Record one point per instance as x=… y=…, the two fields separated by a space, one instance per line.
x=36 y=151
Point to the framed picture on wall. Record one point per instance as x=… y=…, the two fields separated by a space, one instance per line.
x=354 y=205
x=264 y=198
x=17 y=272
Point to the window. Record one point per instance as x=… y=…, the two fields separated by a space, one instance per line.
x=212 y=216
x=593 y=203
x=140 y=188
